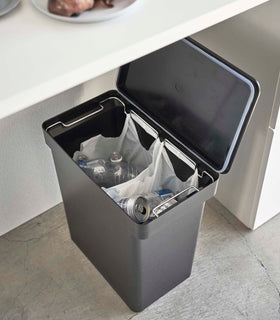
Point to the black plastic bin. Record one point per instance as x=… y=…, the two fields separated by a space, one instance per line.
x=192 y=99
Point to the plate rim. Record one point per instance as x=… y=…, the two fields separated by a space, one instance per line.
x=11 y=6
x=77 y=20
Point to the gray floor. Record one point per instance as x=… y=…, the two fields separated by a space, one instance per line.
x=236 y=275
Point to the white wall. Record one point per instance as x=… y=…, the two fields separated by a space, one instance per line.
x=250 y=41
x=28 y=184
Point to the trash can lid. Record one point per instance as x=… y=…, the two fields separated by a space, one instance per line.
x=203 y=101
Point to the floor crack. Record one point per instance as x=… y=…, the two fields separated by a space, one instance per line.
x=35 y=238
x=21 y=241
x=54 y=297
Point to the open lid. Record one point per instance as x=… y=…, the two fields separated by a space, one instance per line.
x=201 y=100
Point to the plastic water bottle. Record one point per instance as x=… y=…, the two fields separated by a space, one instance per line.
x=107 y=173
x=118 y=170
x=95 y=169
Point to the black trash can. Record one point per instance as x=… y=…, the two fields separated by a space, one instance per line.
x=194 y=101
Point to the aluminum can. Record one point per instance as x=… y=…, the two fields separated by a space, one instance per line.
x=136 y=207
x=140 y=207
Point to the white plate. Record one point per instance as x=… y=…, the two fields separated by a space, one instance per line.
x=7 y=5
x=93 y=15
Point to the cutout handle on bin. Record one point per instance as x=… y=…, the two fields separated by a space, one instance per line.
x=101 y=108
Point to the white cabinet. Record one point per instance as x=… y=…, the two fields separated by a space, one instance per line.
x=269 y=201
x=251 y=41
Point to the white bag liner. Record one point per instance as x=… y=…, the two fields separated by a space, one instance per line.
x=159 y=175
x=156 y=168
x=127 y=144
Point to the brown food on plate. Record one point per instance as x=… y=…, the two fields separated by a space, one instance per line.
x=69 y=7
x=108 y=3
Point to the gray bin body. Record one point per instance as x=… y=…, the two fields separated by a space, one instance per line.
x=196 y=95
x=140 y=261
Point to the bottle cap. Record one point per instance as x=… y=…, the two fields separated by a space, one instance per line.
x=81 y=156
x=116 y=157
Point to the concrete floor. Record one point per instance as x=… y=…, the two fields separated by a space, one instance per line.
x=236 y=275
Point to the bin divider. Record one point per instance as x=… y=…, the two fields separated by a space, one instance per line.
x=148 y=128
x=169 y=145
x=207 y=174
x=175 y=196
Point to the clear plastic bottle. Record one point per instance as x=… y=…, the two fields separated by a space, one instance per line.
x=107 y=173
x=95 y=169
x=119 y=171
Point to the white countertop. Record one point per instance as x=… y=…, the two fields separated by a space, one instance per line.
x=40 y=56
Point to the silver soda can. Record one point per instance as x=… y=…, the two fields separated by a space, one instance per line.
x=140 y=207
x=137 y=207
